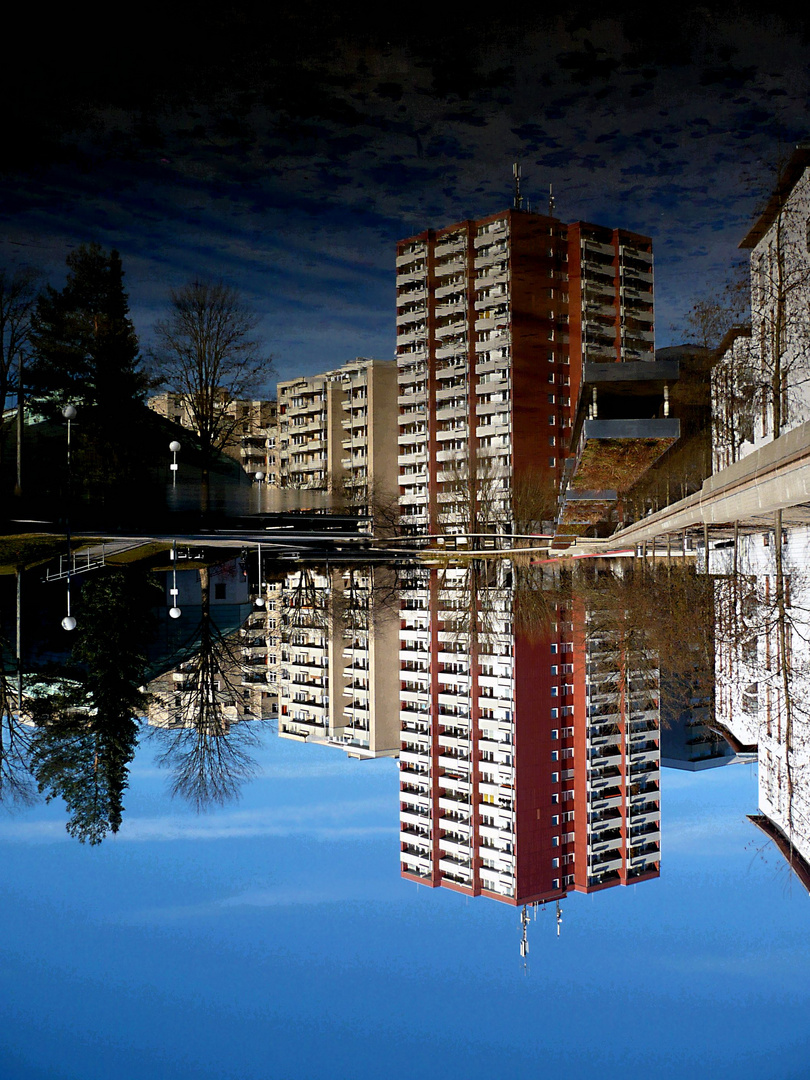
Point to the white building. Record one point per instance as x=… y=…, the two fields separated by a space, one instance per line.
x=779 y=243
x=763 y=675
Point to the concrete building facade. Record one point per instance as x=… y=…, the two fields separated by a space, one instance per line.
x=335 y=431
x=338 y=682
x=252 y=429
x=777 y=382
x=495 y=319
x=530 y=761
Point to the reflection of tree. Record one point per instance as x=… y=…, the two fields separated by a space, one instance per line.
x=489 y=598
x=660 y=617
x=305 y=603
x=367 y=499
x=86 y=733
x=84 y=760
x=16 y=782
x=764 y=632
x=206 y=748
x=481 y=495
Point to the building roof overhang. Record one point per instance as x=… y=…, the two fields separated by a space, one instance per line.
x=788 y=179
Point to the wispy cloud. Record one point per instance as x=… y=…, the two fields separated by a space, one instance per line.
x=273 y=896
x=348 y=820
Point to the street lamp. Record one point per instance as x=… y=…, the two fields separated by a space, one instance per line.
x=174 y=446
x=69 y=621
x=174 y=610
x=260 y=599
x=259 y=477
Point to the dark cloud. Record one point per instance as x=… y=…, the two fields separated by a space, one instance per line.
x=288 y=150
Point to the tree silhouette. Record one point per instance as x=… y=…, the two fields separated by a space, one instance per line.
x=208 y=354
x=200 y=717
x=86 y=735
x=86 y=351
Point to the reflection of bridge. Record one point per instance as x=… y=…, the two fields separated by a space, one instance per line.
x=749 y=492
x=90 y=558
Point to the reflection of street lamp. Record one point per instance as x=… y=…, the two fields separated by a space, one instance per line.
x=259 y=477
x=174 y=610
x=69 y=413
x=260 y=598
x=69 y=622
x=174 y=446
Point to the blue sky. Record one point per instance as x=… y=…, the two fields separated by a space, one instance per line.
x=294 y=165
x=275 y=938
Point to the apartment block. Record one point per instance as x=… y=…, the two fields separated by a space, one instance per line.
x=338 y=682
x=528 y=766
x=496 y=319
x=251 y=426
x=309 y=413
x=335 y=430
x=617 y=756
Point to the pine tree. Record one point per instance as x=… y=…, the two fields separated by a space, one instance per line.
x=86 y=350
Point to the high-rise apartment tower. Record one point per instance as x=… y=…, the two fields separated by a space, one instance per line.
x=495 y=320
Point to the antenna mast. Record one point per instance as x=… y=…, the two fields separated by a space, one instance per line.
x=551 y=200
x=518 y=196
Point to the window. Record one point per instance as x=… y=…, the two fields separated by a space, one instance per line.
x=220 y=590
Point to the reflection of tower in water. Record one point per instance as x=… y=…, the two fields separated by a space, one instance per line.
x=529 y=763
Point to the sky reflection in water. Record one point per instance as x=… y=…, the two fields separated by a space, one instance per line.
x=275 y=938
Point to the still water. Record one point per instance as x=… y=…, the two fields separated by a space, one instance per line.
x=558 y=872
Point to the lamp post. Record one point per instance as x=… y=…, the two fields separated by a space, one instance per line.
x=259 y=477
x=69 y=622
x=174 y=446
x=260 y=597
x=174 y=610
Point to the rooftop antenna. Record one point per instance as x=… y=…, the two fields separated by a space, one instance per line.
x=551 y=200
x=559 y=918
x=524 y=940
x=518 y=196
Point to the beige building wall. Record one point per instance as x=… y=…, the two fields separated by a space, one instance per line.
x=337 y=431
x=255 y=436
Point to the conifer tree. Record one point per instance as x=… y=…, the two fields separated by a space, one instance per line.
x=86 y=350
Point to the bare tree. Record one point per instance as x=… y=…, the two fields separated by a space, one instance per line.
x=370 y=500
x=780 y=289
x=18 y=293
x=202 y=719
x=16 y=781
x=208 y=354
x=712 y=315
